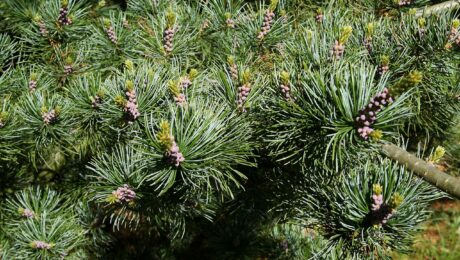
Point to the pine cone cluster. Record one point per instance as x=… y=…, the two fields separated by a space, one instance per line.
x=131 y=106
x=404 y=2
x=180 y=99
x=111 y=34
x=185 y=82
x=124 y=194
x=368 y=44
x=96 y=101
x=173 y=155
x=319 y=17
x=230 y=23
x=337 y=50
x=267 y=24
x=40 y=245
x=382 y=69
x=377 y=201
x=27 y=213
x=49 y=117
x=43 y=29
x=63 y=16
x=368 y=114
x=286 y=90
x=32 y=85
x=454 y=36
x=243 y=93
x=381 y=212
x=68 y=69
x=168 y=39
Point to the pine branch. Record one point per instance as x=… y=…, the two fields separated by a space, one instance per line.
x=429 y=173
x=447 y=5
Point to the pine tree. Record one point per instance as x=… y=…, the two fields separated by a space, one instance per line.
x=223 y=129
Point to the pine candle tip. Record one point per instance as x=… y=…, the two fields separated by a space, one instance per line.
x=120 y=101
x=415 y=77
x=456 y=23
x=345 y=34
x=246 y=76
x=129 y=64
x=377 y=189
x=437 y=155
x=129 y=85
x=170 y=18
x=106 y=22
x=41 y=245
x=397 y=200
x=412 y=11
x=193 y=74
x=385 y=60
x=231 y=60
x=370 y=28
x=421 y=22
x=33 y=76
x=101 y=3
x=285 y=76
x=69 y=60
x=376 y=135
x=37 y=18
x=273 y=4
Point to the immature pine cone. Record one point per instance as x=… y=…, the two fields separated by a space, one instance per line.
x=131 y=106
x=404 y=2
x=243 y=93
x=230 y=23
x=96 y=102
x=185 y=82
x=63 y=16
x=168 y=39
x=368 y=44
x=27 y=213
x=180 y=99
x=174 y=156
x=32 y=85
x=368 y=114
x=68 y=69
x=49 y=117
x=40 y=245
x=124 y=194
x=337 y=50
x=111 y=34
x=267 y=24
x=319 y=18
x=43 y=29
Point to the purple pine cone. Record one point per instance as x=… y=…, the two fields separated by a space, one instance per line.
x=49 y=117
x=111 y=34
x=27 y=213
x=63 y=18
x=180 y=99
x=32 y=85
x=131 y=108
x=41 y=245
x=368 y=114
x=124 y=194
x=174 y=156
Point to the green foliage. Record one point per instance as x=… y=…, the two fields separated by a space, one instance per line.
x=220 y=129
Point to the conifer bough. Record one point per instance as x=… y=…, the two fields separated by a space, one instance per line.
x=221 y=129
x=424 y=170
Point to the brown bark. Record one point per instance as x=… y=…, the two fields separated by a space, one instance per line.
x=424 y=170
